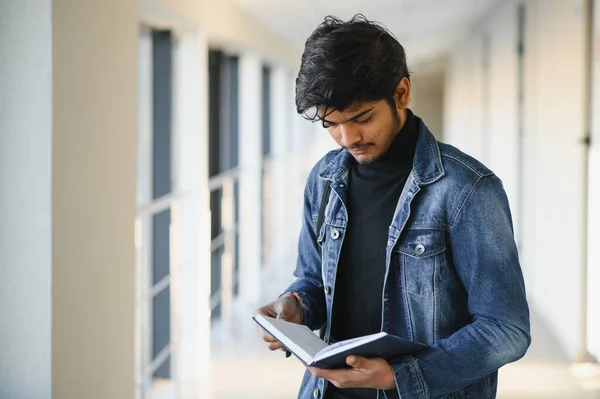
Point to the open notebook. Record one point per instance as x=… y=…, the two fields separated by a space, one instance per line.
x=314 y=352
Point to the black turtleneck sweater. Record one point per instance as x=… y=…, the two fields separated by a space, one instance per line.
x=373 y=193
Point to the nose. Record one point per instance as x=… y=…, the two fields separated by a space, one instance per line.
x=349 y=135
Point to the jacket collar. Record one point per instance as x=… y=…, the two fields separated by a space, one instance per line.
x=427 y=163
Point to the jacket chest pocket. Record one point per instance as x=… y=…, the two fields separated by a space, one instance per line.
x=420 y=255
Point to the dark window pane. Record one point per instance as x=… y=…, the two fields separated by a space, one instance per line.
x=223 y=77
x=164 y=371
x=215 y=278
x=215 y=213
x=266 y=110
x=215 y=62
x=233 y=111
x=216 y=313
x=161 y=321
x=161 y=112
x=161 y=250
x=236 y=250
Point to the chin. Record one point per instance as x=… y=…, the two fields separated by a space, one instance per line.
x=365 y=159
x=370 y=155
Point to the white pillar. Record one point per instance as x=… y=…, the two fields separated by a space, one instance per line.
x=250 y=139
x=293 y=166
x=25 y=198
x=280 y=137
x=593 y=261
x=191 y=272
x=94 y=197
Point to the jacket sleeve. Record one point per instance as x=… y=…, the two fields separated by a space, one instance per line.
x=486 y=260
x=309 y=281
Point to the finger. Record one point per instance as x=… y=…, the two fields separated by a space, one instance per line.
x=265 y=335
x=268 y=338
x=327 y=374
x=266 y=311
x=340 y=378
x=273 y=346
x=316 y=372
x=357 y=362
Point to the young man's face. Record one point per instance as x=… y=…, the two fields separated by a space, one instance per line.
x=367 y=130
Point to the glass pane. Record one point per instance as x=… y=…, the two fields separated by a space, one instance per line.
x=215 y=213
x=215 y=279
x=214 y=112
x=161 y=321
x=164 y=371
x=236 y=251
x=160 y=245
x=161 y=112
x=233 y=111
x=266 y=110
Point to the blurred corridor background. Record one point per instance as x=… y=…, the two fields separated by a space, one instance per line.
x=152 y=167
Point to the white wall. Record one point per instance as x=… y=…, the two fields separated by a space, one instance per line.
x=463 y=105
x=553 y=229
x=427 y=101
x=94 y=198
x=501 y=116
x=224 y=25
x=555 y=125
x=594 y=200
x=25 y=198
x=192 y=241
x=250 y=146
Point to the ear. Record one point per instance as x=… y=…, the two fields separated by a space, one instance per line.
x=402 y=95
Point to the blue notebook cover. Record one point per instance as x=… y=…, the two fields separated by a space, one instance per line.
x=388 y=347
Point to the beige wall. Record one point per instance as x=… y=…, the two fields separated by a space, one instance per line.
x=94 y=201
x=553 y=233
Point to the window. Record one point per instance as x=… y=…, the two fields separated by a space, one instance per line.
x=223 y=163
x=155 y=197
x=267 y=167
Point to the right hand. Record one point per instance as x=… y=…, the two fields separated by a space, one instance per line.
x=285 y=308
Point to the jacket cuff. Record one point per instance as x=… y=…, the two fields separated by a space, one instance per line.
x=303 y=304
x=410 y=383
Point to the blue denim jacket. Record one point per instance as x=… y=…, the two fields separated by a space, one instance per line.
x=453 y=279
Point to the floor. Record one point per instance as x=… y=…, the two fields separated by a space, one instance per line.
x=242 y=368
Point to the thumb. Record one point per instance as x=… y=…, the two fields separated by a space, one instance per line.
x=356 y=362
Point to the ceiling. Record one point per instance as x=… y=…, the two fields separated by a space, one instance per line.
x=426 y=28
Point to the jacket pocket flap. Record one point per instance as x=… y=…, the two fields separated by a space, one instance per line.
x=420 y=243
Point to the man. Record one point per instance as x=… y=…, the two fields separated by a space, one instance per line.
x=416 y=240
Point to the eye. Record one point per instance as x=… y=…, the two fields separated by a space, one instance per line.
x=364 y=121
x=328 y=125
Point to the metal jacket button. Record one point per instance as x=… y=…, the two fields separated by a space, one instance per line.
x=316 y=393
x=420 y=249
x=335 y=234
x=326 y=290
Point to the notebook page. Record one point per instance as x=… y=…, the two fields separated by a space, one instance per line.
x=300 y=335
x=347 y=344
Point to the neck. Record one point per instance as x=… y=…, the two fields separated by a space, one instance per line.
x=402 y=148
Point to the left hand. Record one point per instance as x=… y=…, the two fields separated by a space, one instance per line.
x=365 y=373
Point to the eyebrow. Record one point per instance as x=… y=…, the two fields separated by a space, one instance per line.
x=355 y=117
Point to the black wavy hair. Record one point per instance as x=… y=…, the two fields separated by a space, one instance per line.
x=346 y=63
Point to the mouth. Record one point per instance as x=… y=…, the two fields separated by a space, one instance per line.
x=360 y=149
